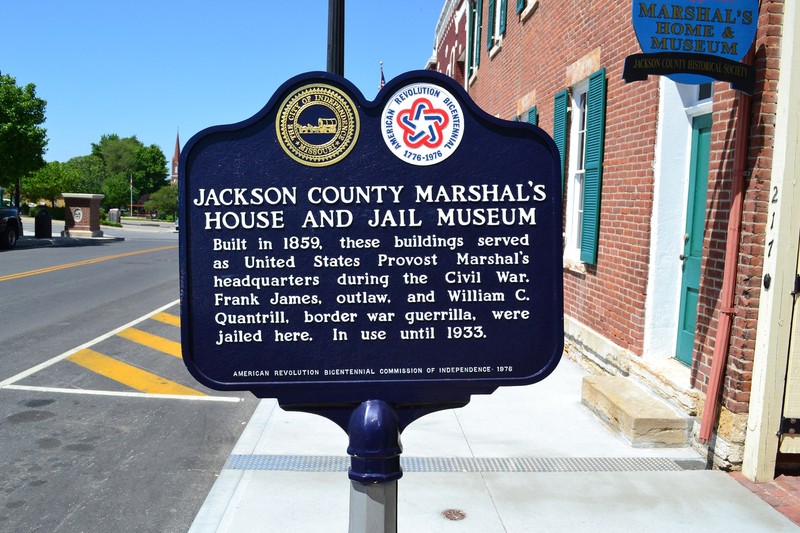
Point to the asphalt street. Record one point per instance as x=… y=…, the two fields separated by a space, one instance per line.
x=101 y=426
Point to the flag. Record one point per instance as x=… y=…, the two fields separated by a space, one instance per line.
x=383 y=81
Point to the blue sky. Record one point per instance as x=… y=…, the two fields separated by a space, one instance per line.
x=153 y=67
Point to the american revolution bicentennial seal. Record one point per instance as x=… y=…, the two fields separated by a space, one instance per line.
x=317 y=125
x=422 y=124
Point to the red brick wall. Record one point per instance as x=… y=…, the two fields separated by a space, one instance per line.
x=610 y=296
x=739 y=368
x=535 y=56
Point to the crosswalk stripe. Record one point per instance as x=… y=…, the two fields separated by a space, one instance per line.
x=167 y=318
x=125 y=394
x=129 y=375
x=79 y=353
x=152 y=341
x=52 y=361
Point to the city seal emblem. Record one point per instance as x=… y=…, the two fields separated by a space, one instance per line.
x=422 y=124
x=317 y=125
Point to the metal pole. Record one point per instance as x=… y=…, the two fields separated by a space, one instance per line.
x=373 y=507
x=374 y=467
x=336 y=37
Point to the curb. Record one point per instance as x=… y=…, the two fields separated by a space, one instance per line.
x=34 y=242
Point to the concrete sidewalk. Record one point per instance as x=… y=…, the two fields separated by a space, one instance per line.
x=522 y=460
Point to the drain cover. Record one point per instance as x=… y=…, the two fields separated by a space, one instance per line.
x=454 y=514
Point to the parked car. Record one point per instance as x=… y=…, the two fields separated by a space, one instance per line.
x=10 y=226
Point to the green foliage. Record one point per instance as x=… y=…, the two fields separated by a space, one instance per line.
x=118 y=154
x=56 y=213
x=90 y=168
x=128 y=157
x=22 y=139
x=117 y=191
x=151 y=165
x=50 y=181
x=113 y=163
x=164 y=201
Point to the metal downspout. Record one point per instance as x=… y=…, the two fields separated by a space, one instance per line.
x=730 y=273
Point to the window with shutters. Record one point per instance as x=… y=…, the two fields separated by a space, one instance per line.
x=474 y=38
x=586 y=105
x=560 y=112
x=525 y=8
x=496 y=25
x=577 y=135
x=531 y=116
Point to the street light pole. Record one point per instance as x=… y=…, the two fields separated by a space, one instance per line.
x=373 y=497
x=336 y=37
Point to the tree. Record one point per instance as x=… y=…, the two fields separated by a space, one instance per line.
x=129 y=158
x=164 y=201
x=110 y=168
x=118 y=154
x=22 y=139
x=116 y=190
x=50 y=181
x=151 y=169
x=91 y=172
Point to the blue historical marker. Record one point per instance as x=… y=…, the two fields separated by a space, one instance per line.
x=336 y=251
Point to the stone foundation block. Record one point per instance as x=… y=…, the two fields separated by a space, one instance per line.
x=643 y=419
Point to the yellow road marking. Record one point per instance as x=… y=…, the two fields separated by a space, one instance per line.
x=151 y=341
x=167 y=318
x=129 y=375
x=82 y=263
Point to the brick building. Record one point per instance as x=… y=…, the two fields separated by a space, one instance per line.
x=680 y=246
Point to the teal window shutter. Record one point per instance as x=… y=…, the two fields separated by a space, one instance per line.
x=503 y=12
x=470 y=41
x=560 y=108
x=533 y=116
x=490 y=26
x=520 y=6
x=478 y=28
x=593 y=176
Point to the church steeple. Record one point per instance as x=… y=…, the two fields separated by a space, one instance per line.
x=176 y=157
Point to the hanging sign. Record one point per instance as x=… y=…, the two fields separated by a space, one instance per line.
x=694 y=41
x=335 y=250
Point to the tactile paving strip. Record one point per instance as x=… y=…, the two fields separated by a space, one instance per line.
x=307 y=463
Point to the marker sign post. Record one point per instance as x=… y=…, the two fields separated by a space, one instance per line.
x=371 y=262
